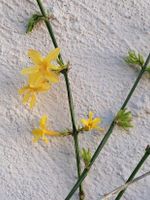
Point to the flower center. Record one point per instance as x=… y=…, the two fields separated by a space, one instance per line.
x=43 y=67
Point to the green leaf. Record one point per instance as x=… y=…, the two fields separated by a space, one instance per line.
x=141 y=59
x=124 y=119
x=86 y=156
x=59 y=62
x=134 y=59
x=34 y=19
x=148 y=69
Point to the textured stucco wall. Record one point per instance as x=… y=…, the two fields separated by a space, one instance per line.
x=94 y=36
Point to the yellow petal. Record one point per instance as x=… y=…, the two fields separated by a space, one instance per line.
x=52 y=77
x=96 y=121
x=52 y=133
x=55 y=67
x=32 y=101
x=91 y=115
x=100 y=129
x=23 y=89
x=52 y=55
x=35 y=56
x=43 y=121
x=30 y=70
x=37 y=132
x=35 y=139
x=45 y=139
x=35 y=79
x=26 y=98
x=45 y=87
x=84 y=122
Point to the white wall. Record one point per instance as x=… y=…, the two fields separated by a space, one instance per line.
x=94 y=36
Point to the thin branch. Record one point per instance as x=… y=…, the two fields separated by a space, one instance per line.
x=70 y=99
x=138 y=166
x=75 y=133
x=123 y=187
x=108 y=133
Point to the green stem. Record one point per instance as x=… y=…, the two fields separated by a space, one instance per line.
x=145 y=156
x=70 y=99
x=49 y=27
x=136 y=82
x=108 y=133
x=75 y=132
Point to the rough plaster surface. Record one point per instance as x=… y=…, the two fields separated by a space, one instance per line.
x=94 y=36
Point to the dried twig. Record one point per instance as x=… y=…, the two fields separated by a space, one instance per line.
x=122 y=187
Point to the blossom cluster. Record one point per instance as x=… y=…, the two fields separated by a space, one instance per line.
x=41 y=75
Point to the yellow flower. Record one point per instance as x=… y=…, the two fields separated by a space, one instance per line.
x=91 y=123
x=43 y=68
x=29 y=92
x=42 y=131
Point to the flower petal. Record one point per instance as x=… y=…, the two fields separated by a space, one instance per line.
x=35 y=79
x=100 y=129
x=52 y=77
x=33 y=101
x=52 y=133
x=35 y=139
x=37 y=134
x=29 y=70
x=55 y=68
x=45 y=139
x=43 y=121
x=26 y=98
x=91 y=115
x=96 y=121
x=23 y=89
x=45 y=87
x=84 y=122
x=52 y=55
x=35 y=56
x=37 y=131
